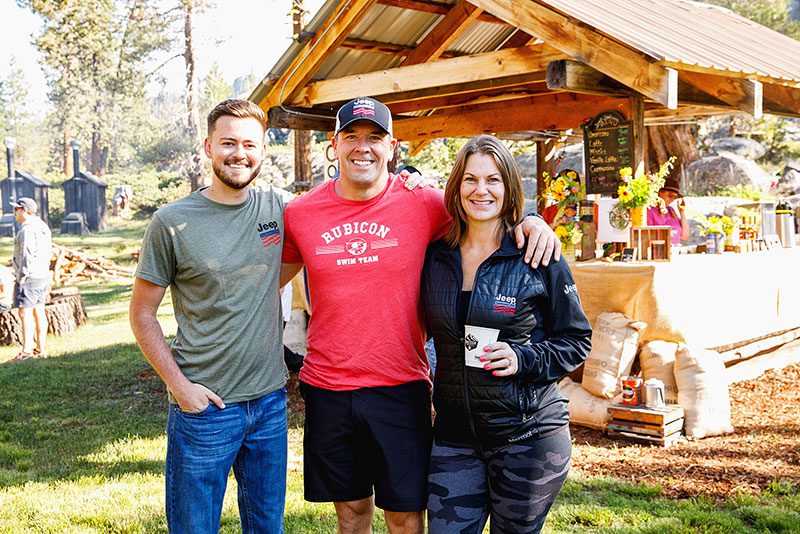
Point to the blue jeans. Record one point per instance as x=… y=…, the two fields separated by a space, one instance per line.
x=201 y=449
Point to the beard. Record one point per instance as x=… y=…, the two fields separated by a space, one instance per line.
x=234 y=179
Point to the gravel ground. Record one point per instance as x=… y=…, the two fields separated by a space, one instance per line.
x=764 y=447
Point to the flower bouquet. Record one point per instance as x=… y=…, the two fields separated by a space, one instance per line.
x=570 y=236
x=638 y=191
x=713 y=227
x=564 y=189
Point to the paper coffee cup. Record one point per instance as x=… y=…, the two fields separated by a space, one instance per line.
x=475 y=339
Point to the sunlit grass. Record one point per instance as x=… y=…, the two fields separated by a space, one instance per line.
x=82 y=449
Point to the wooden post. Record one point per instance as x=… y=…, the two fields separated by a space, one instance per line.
x=302 y=138
x=637 y=119
x=545 y=162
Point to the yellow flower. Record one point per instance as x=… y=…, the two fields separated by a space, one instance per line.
x=561 y=232
x=559 y=185
x=625 y=172
x=624 y=193
x=572 y=175
x=559 y=195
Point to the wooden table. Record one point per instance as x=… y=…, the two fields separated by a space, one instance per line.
x=736 y=304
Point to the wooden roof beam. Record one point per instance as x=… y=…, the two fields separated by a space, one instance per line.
x=416 y=99
x=339 y=25
x=785 y=97
x=743 y=94
x=301 y=119
x=431 y=6
x=445 y=32
x=574 y=76
x=590 y=47
x=479 y=67
x=380 y=47
x=469 y=98
x=563 y=111
x=518 y=38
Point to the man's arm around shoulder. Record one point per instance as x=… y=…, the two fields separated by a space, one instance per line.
x=145 y=301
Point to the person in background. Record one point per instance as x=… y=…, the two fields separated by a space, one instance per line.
x=33 y=248
x=501 y=445
x=664 y=214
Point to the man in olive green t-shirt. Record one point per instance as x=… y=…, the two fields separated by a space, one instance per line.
x=219 y=252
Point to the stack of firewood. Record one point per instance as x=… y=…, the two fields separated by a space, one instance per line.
x=71 y=266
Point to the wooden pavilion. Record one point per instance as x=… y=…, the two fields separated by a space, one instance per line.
x=461 y=67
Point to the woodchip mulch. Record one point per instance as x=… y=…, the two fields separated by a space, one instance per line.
x=764 y=447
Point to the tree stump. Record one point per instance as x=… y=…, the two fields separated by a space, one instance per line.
x=64 y=311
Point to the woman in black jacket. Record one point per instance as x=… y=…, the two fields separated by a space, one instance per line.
x=502 y=444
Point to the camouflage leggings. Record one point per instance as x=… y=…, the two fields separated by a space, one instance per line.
x=515 y=485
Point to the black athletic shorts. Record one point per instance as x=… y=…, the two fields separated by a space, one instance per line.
x=368 y=438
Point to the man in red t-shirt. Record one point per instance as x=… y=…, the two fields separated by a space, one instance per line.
x=365 y=379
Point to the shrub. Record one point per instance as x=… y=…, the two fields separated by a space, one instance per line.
x=151 y=189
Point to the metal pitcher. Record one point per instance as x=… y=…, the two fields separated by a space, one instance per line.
x=653 y=393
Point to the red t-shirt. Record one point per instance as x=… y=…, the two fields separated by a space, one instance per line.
x=364 y=261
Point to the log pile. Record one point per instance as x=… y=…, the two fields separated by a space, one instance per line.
x=64 y=310
x=71 y=266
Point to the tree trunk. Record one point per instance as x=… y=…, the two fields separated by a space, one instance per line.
x=95 y=154
x=679 y=140
x=302 y=138
x=64 y=312
x=195 y=170
x=67 y=153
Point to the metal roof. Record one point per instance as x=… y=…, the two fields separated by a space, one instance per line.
x=674 y=32
x=693 y=34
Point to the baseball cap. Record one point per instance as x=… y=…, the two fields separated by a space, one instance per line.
x=671 y=184
x=28 y=203
x=366 y=109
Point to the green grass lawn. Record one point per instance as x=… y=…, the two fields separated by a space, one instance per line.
x=82 y=445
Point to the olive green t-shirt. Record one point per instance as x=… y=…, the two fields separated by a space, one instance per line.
x=222 y=265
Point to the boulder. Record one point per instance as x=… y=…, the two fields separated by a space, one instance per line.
x=527 y=165
x=571 y=157
x=529 y=187
x=278 y=169
x=710 y=174
x=743 y=147
x=789 y=182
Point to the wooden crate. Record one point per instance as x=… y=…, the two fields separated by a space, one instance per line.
x=646 y=425
x=653 y=243
x=645 y=414
x=643 y=439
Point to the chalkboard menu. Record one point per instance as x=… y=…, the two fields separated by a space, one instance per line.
x=608 y=147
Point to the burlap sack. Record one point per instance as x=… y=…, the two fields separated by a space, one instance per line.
x=615 y=340
x=657 y=359
x=584 y=408
x=703 y=392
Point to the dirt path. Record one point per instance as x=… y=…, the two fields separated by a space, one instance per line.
x=765 y=447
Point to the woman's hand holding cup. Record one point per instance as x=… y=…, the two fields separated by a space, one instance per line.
x=500 y=358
